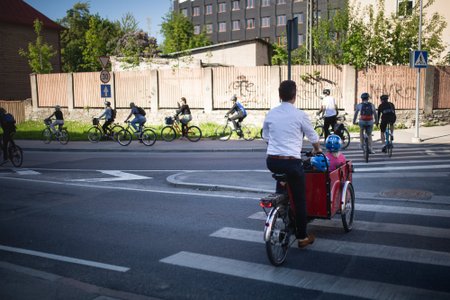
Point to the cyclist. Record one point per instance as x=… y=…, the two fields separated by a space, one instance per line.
x=283 y=130
x=8 y=126
x=239 y=114
x=386 y=110
x=139 y=117
x=108 y=114
x=368 y=116
x=59 y=119
x=336 y=158
x=329 y=111
x=186 y=117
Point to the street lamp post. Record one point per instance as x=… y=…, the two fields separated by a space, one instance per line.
x=416 y=138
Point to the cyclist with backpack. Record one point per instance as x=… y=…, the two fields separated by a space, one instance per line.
x=139 y=116
x=239 y=114
x=110 y=115
x=8 y=125
x=386 y=113
x=368 y=116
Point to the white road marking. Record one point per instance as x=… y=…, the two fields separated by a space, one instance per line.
x=118 y=176
x=65 y=259
x=300 y=279
x=26 y=172
x=412 y=255
x=403 y=168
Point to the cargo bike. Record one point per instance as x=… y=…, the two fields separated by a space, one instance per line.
x=327 y=194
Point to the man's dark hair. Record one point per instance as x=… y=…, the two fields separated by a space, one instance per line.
x=287 y=90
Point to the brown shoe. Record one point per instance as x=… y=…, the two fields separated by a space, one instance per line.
x=306 y=241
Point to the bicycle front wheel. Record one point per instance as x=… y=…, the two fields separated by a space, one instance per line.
x=249 y=132
x=64 y=137
x=124 y=137
x=15 y=155
x=168 y=134
x=94 y=134
x=389 y=140
x=320 y=132
x=223 y=133
x=46 y=135
x=279 y=237
x=345 y=138
x=148 y=137
x=194 y=133
x=115 y=129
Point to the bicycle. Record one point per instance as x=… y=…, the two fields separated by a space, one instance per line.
x=15 y=153
x=146 y=135
x=366 y=150
x=96 y=133
x=320 y=202
x=339 y=129
x=225 y=131
x=61 y=135
x=173 y=128
x=388 y=139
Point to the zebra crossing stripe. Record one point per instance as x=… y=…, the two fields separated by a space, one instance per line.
x=300 y=279
x=26 y=172
x=349 y=248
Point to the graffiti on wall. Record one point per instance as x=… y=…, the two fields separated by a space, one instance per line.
x=311 y=87
x=244 y=89
x=396 y=91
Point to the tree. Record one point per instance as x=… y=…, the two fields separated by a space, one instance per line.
x=179 y=35
x=39 y=53
x=133 y=46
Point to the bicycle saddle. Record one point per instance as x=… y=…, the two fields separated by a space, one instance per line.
x=279 y=176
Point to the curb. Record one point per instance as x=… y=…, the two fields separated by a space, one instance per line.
x=143 y=150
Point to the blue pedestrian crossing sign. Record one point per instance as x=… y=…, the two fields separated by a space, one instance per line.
x=419 y=59
x=105 y=90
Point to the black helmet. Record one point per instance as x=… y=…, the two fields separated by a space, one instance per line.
x=326 y=92
x=107 y=103
x=384 y=97
x=233 y=98
x=365 y=96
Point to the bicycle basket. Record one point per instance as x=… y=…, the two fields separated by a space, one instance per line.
x=95 y=121
x=169 y=120
x=47 y=122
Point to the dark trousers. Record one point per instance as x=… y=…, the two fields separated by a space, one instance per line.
x=327 y=122
x=237 y=119
x=105 y=126
x=293 y=168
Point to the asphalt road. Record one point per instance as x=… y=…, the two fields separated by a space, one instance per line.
x=82 y=225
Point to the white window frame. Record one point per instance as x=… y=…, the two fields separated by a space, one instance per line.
x=265 y=22
x=208 y=9
x=184 y=11
x=281 y=2
x=196 y=11
x=222 y=7
x=197 y=29
x=281 y=20
x=250 y=23
x=265 y=3
x=209 y=28
x=222 y=26
x=250 y=4
x=300 y=17
x=238 y=27
x=235 y=5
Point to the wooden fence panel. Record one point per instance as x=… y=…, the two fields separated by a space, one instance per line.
x=399 y=82
x=52 y=90
x=177 y=83
x=250 y=84
x=311 y=81
x=133 y=86
x=441 y=95
x=86 y=89
x=16 y=108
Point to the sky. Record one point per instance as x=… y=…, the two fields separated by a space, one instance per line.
x=148 y=13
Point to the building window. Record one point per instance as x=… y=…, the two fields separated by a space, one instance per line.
x=236 y=25
x=250 y=23
x=265 y=3
x=222 y=27
x=298 y=0
x=250 y=3
x=184 y=11
x=196 y=29
x=209 y=28
x=301 y=39
x=196 y=11
x=281 y=20
x=317 y=15
x=281 y=2
x=281 y=40
x=265 y=22
x=235 y=5
x=208 y=9
x=405 y=7
x=222 y=7
x=300 y=17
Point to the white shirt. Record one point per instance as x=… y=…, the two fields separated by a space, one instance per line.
x=330 y=106
x=284 y=128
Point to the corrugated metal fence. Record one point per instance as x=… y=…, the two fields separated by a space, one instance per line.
x=16 y=108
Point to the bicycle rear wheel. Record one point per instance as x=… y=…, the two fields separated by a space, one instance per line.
x=148 y=137
x=124 y=137
x=115 y=129
x=348 y=208
x=64 y=137
x=366 y=149
x=194 y=133
x=15 y=154
x=249 y=132
x=345 y=138
x=46 y=135
x=168 y=134
x=223 y=133
x=94 y=134
x=279 y=237
x=389 y=140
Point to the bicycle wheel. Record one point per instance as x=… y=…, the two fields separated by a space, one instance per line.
x=194 y=133
x=124 y=137
x=168 y=134
x=46 y=135
x=64 y=137
x=249 y=132
x=223 y=133
x=345 y=138
x=348 y=206
x=15 y=155
x=366 y=149
x=148 y=137
x=389 y=140
x=320 y=132
x=115 y=129
x=279 y=236
x=94 y=134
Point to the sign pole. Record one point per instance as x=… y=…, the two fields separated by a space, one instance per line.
x=416 y=138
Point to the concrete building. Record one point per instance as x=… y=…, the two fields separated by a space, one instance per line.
x=16 y=31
